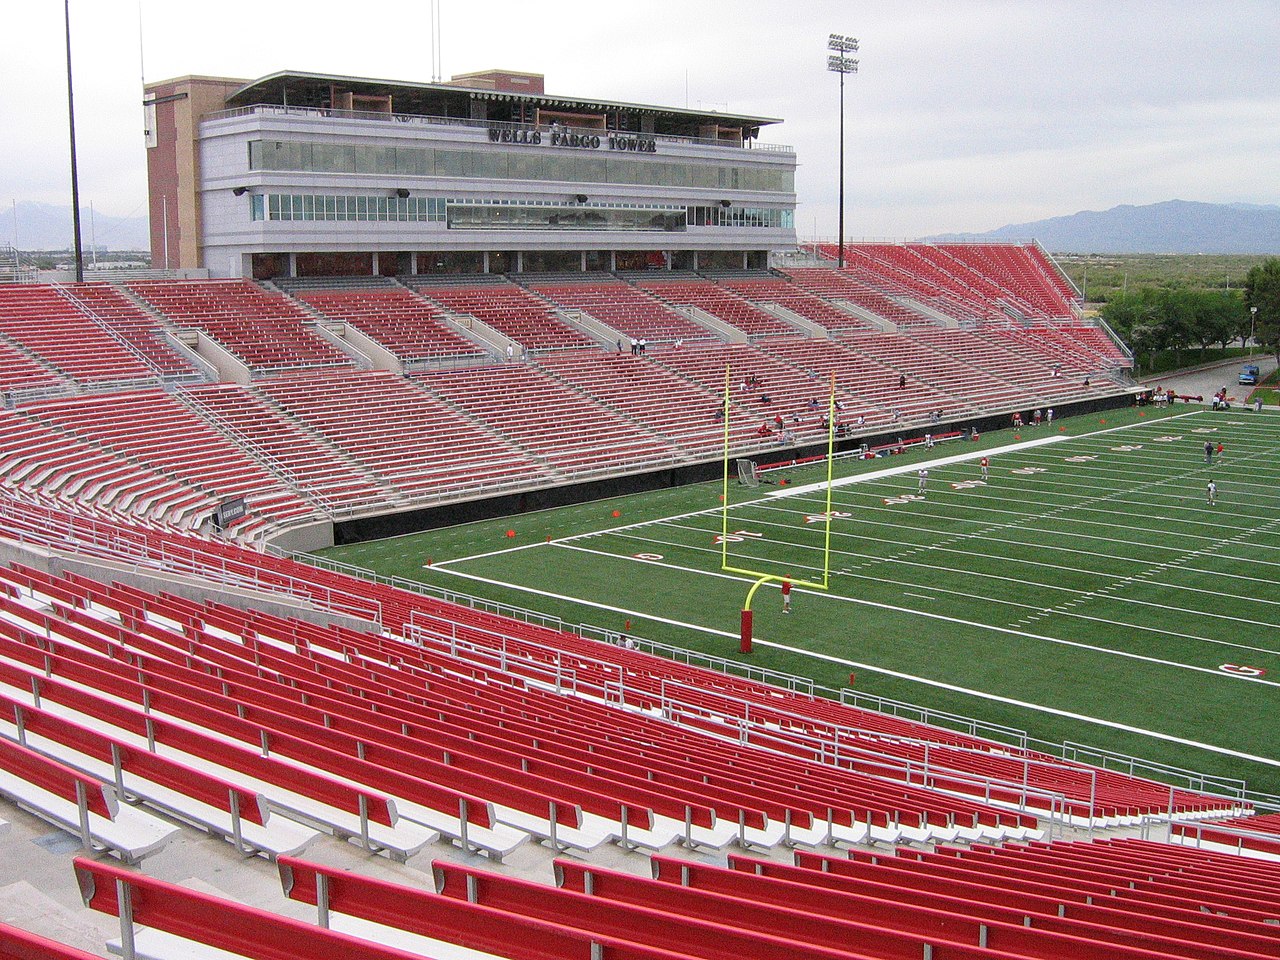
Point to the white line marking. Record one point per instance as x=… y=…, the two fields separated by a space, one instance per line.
x=1111 y=724
x=1212 y=671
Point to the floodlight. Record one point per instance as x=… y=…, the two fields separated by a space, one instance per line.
x=839 y=62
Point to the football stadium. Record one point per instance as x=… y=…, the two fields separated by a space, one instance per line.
x=490 y=531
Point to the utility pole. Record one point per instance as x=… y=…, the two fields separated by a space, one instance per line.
x=71 y=126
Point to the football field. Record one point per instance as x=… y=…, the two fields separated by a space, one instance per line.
x=1084 y=591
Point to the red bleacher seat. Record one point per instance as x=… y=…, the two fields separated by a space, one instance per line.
x=512 y=311
x=265 y=330
x=718 y=302
x=41 y=320
x=399 y=320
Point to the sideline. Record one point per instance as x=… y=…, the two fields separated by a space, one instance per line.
x=942 y=685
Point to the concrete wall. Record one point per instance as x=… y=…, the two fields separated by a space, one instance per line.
x=524 y=501
x=303 y=539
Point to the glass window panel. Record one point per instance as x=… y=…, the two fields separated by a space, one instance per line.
x=448 y=163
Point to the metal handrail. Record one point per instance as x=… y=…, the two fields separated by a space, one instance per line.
x=423 y=119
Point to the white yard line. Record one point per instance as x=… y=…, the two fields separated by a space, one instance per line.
x=1054 y=711
x=693 y=571
x=945 y=546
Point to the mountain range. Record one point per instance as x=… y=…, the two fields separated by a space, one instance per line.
x=47 y=226
x=1174 y=226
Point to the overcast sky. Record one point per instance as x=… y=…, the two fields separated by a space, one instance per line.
x=965 y=115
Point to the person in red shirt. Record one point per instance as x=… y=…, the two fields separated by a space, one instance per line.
x=984 y=466
x=1219 y=451
x=786 y=596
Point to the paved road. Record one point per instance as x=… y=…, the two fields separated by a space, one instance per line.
x=1208 y=381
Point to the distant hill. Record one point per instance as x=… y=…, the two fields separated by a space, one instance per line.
x=1175 y=226
x=47 y=226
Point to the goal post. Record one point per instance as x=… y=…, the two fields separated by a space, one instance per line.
x=749 y=476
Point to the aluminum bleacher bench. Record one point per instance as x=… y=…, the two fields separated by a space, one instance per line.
x=219 y=806
x=309 y=797
x=164 y=921
x=19 y=944
x=82 y=806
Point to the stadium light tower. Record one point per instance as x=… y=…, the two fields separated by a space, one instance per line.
x=1253 y=325
x=840 y=62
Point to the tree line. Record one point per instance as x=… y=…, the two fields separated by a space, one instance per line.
x=1154 y=319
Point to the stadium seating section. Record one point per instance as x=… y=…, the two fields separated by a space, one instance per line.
x=406 y=439
x=124 y=317
x=265 y=330
x=719 y=302
x=439 y=722
x=41 y=322
x=397 y=319
x=911 y=334
x=556 y=424
x=624 y=308
x=511 y=310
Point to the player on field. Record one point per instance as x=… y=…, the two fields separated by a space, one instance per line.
x=923 y=478
x=786 y=596
x=984 y=464
x=1211 y=493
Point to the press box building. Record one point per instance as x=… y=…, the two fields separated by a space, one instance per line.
x=301 y=174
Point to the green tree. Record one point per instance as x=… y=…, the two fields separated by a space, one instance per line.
x=1262 y=290
x=1218 y=316
x=1176 y=318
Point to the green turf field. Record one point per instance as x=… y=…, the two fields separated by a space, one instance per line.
x=1085 y=592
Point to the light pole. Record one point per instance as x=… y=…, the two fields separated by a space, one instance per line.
x=1253 y=322
x=71 y=126
x=840 y=62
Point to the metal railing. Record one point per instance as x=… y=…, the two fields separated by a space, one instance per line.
x=13 y=268
x=326 y=113
x=848 y=747
x=55 y=529
x=1115 y=339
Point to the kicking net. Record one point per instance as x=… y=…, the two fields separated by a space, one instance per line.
x=748 y=473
